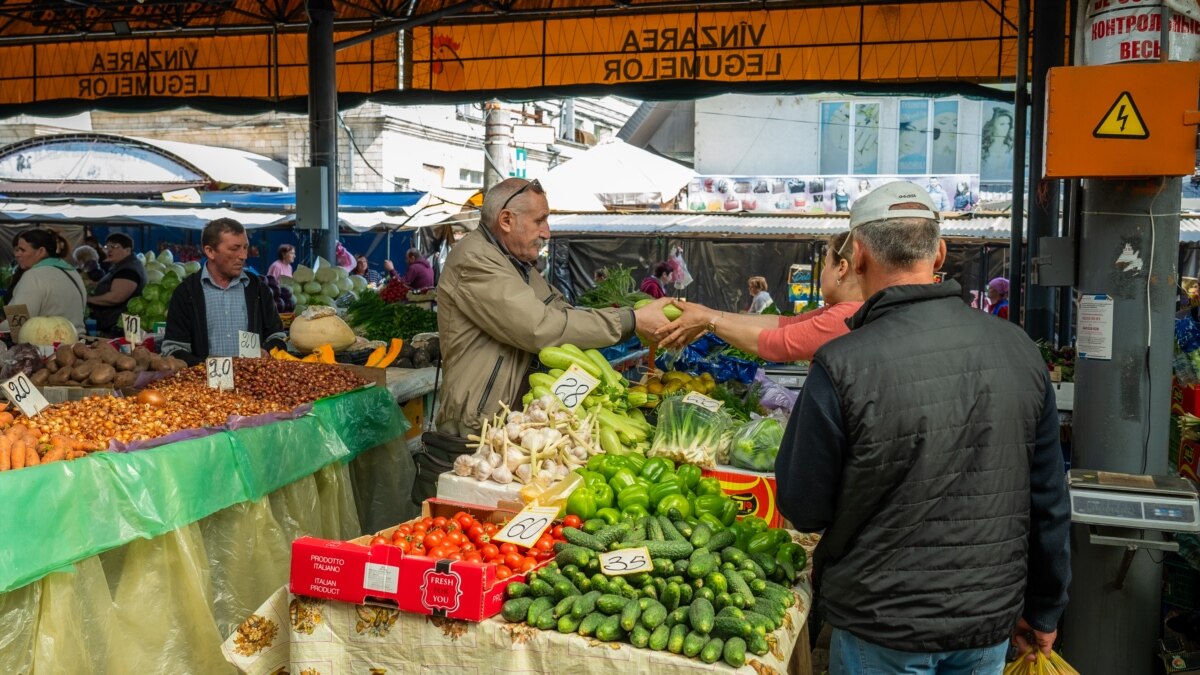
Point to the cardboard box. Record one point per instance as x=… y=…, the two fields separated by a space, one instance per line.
x=353 y=571
x=376 y=376
x=1184 y=399
x=1189 y=459
x=754 y=492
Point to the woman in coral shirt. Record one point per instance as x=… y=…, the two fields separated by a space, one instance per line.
x=779 y=338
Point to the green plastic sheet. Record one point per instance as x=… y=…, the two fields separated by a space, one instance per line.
x=63 y=512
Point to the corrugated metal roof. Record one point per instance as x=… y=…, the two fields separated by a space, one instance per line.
x=980 y=226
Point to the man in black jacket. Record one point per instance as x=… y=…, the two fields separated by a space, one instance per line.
x=925 y=445
x=209 y=309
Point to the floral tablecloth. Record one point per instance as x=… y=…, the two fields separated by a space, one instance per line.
x=296 y=635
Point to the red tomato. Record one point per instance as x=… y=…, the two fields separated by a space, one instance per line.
x=542 y=555
x=458 y=514
x=473 y=556
x=527 y=564
x=475 y=532
x=513 y=560
x=571 y=521
x=405 y=529
x=490 y=529
x=433 y=539
x=427 y=522
x=556 y=532
x=545 y=543
x=465 y=522
x=456 y=538
x=490 y=552
x=457 y=555
x=379 y=539
x=467 y=547
x=439 y=522
x=507 y=548
x=503 y=572
x=439 y=552
x=404 y=545
x=417 y=550
x=419 y=530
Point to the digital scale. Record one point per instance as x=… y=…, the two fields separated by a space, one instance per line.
x=1122 y=502
x=1168 y=503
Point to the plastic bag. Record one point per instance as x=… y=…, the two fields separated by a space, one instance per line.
x=1043 y=665
x=774 y=395
x=688 y=432
x=756 y=444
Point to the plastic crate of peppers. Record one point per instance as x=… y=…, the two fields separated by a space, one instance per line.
x=718 y=584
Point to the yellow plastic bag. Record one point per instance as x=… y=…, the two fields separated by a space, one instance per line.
x=1042 y=665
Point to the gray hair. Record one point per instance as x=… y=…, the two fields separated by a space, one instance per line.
x=900 y=243
x=85 y=253
x=495 y=199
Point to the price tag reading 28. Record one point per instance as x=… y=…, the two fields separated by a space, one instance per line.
x=626 y=561
x=527 y=527
x=573 y=386
x=24 y=395
x=220 y=372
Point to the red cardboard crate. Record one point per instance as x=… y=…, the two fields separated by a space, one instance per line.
x=1184 y=399
x=1189 y=459
x=754 y=492
x=353 y=571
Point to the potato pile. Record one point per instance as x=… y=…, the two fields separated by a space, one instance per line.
x=100 y=365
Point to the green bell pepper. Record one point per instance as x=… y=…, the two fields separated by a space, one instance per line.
x=793 y=553
x=622 y=479
x=690 y=473
x=656 y=468
x=660 y=490
x=674 y=501
x=634 y=511
x=712 y=521
x=638 y=480
x=711 y=504
x=592 y=478
x=609 y=514
x=729 y=512
x=709 y=486
x=634 y=495
x=763 y=542
x=635 y=462
x=582 y=503
x=742 y=534
x=595 y=462
x=609 y=464
x=605 y=497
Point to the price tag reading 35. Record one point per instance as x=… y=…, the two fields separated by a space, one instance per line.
x=527 y=526
x=220 y=372
x=626 y=561
x=24 y=395
x=573 y=386
x=248 y=345
x=132 y=323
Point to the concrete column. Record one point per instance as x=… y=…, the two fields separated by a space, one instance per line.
x=322 y=111
x=496 y=144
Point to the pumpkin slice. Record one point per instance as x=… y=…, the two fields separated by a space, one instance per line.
x=392 y=353
x=376 y=356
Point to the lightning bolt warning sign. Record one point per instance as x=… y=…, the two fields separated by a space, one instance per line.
x=1122 y=121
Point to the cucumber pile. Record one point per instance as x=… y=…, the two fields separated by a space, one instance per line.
x=704 y=597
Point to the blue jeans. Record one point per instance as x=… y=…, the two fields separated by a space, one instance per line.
x=850 y=655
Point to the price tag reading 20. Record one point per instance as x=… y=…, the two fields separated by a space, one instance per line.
x=248 y=345
x=24 y=395
x=220 y=372
x=527 y=526
x=626 y=561
x=573 y=386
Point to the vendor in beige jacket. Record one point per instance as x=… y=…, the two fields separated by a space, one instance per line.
x=495 y=312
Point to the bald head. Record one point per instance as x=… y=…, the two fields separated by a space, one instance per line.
x=517 y=213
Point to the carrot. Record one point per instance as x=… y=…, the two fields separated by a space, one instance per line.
x=18 y=456
x=31 y=456
x=57 y=452
x=74 y=454
x=5 y=459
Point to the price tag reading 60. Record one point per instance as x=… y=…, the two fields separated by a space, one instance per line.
x=527 y=527
x=220 y=372
x=626 y=561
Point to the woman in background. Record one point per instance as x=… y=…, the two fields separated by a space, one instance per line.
x=760 y=299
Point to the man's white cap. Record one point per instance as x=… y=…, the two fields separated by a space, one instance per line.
x=877 y=204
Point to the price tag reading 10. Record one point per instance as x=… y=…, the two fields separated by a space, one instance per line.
x=527 y=526
x=24 y=395
x=220 y=372
x=573 y=386
x=132 y=324
x=626 y=561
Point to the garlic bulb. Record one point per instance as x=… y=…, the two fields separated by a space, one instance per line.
x=534 y=439
x=513 y=431
x=543 y=479
x=523 y=473
x=483 y=470
x=465 y=464
x=517 y=418
x=502 y=475
x=560 y=472
x=538 y=416
x=495 y=459
x=551 y=436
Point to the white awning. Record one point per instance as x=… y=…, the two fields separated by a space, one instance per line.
x=227 y=166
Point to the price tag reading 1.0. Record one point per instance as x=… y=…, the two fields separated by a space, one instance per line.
x=573 y=386
x=220 y=372
x=24 y=395
x=132 y=323
x=626 y=561
x=527 y=526
x=703 y=401
x=248 y=345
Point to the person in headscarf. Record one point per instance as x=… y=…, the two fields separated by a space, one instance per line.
x=997 y=293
